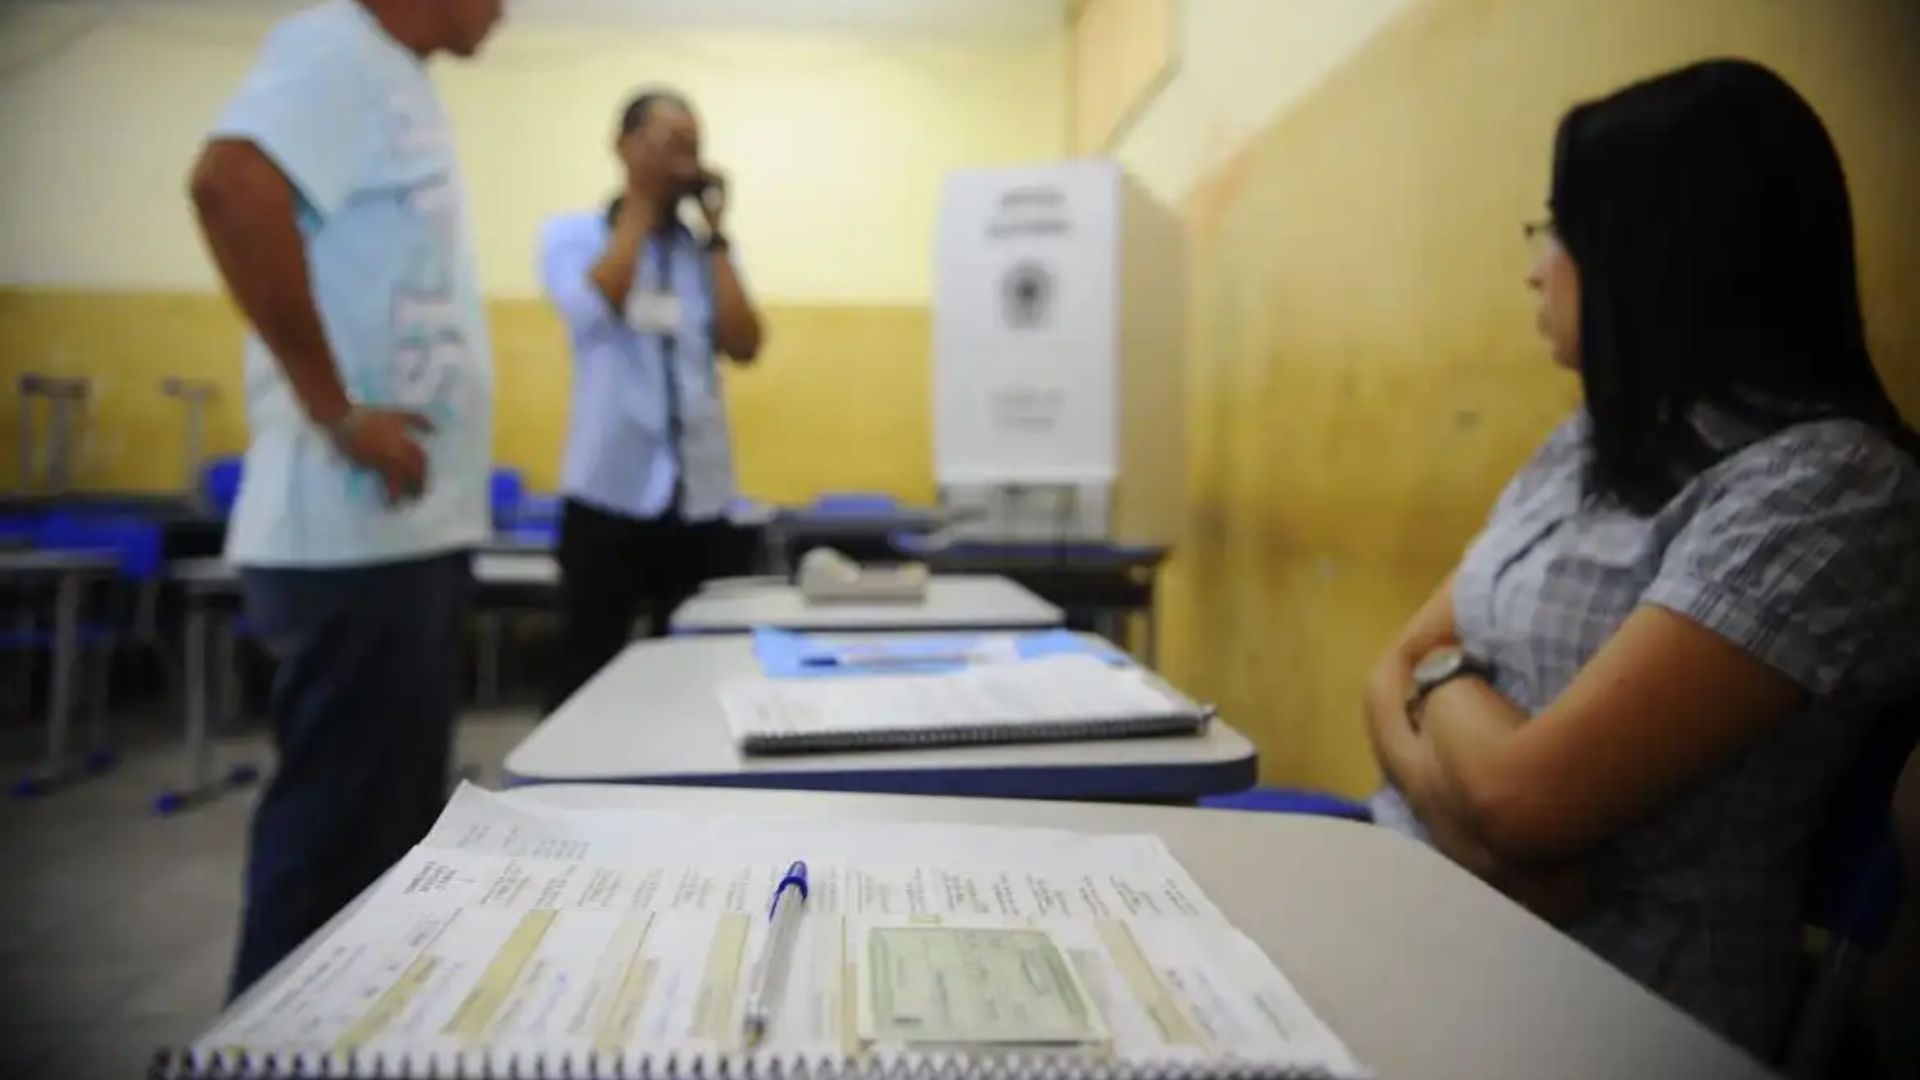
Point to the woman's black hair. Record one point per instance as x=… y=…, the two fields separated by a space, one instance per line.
x=1708 y=216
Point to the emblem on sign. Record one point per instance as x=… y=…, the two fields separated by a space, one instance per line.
x=1026 y=296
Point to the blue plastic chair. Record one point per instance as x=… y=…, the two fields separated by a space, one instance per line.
x=533 y=533
x=135 y=544
x=20 y=529
x=852 y=504
x=1279 y=800
x=506 y=492
x=220 y=484
x=540 y=509
x=1853 y=892
x=521 y=518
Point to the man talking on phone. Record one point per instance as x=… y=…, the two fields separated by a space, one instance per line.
x=648 y=304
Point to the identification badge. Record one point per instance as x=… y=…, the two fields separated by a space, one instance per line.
x=654 y=312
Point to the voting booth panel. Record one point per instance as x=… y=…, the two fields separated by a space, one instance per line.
x=1058 y=401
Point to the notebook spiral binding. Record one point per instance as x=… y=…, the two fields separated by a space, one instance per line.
x=189 y=1064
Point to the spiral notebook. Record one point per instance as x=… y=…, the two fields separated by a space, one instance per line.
x=1050 y=699
x=517 y=942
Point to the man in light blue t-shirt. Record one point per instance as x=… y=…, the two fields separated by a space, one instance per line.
x=328 y=194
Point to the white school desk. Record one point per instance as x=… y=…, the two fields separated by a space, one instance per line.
x=1422 y=969
x=653 y=716
x=507 y=580
x=532 y=569
x=211 y=586
x=953 y=602
x=1425 y=972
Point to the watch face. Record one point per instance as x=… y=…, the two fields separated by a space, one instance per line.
x=1439 y=664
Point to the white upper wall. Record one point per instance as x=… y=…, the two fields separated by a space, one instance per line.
x=836 y=142
x=1242 y=64
x=882 y=15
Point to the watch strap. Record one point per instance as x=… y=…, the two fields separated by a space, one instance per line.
x=1465 y=663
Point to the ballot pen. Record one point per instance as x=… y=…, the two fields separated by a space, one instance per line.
x=885 y=660
x=963 y=653
x=769 y=976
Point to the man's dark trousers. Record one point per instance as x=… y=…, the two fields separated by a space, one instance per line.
x=363 y=707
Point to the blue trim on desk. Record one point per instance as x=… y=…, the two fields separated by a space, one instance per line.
x=1032 y=551
x=1102 y=783
x=960 y=627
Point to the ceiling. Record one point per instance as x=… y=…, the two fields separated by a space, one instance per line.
x=922 y=15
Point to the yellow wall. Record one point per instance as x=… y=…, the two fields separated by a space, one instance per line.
x=1363 y=374
x=835 y=143
x=1238 y=64
x=837 y=403
x=1128 y=50
x=793 y=436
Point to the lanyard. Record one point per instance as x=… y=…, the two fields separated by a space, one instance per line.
x=669 y=339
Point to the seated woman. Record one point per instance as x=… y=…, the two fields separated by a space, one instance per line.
x=1629 y=704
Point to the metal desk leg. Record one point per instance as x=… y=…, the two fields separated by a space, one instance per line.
x=198 y=748
x=199 y=737
x=202 y=784
x=99 y=699
x=773 y=540
x=146 y=615
x=487 y=660
x=227 y=659
x=22 y=687
x=62 y=690
x=66 y=658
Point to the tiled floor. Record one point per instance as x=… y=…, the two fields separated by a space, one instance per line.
x=116 y=926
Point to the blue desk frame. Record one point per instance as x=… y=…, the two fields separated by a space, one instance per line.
x=1091 y=783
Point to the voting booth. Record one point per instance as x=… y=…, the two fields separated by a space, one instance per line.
x=1057 y=314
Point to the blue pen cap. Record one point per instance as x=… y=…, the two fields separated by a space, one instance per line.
x=796 y=877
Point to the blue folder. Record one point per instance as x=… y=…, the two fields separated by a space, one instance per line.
x=784 y=654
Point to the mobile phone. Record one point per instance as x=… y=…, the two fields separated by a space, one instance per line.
x=698 y=195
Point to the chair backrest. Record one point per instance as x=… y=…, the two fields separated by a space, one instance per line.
x=1854 y=893
x=853 y=503
x=506 y=490
x=1854 y=884
x=1906 y=814
x=21 y=528
x=135 y=543
x=531 y=532
x=220 y=483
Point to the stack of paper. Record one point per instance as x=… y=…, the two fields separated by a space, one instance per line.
x=1048 y=699
x=613 y=944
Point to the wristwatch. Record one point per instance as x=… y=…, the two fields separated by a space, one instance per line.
x=1442 y=666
